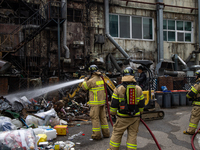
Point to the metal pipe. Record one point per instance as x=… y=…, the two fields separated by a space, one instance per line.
x=176 y=62
x=109 y=62
x=160 y=30
x=64 y=5
x=158 y=38
x=181 y=60
x=58 y=47
x=115 y=63
x=106 y=5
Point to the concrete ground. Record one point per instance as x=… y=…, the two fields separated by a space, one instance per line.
x=168 y=132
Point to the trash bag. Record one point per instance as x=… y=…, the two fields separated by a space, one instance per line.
x=50 y=118
x=15 y=139
x=17 y=106
x=5 y=106
x=6 y=124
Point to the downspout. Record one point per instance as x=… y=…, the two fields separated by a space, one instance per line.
x=160 y=46
x=106 y=7
x=64 y=13
x=160 y=30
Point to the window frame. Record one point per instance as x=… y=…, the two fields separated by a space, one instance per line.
x=131 y=37
x=179 y=31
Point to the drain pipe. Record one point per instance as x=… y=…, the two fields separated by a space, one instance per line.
x=67 y=54
x=160 y=46
x=160 y=30
x=106 y=7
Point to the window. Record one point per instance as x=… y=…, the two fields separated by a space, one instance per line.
x=74 y=15
x=178 y=31
x=124 y=26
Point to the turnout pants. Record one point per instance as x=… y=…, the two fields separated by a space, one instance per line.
x=194 y=119
x=131 y=124
x=99 y=122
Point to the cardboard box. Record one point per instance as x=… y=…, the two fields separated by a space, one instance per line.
x=61 y=129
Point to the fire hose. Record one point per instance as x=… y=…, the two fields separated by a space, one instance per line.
x=140 y=117
x=192 y=141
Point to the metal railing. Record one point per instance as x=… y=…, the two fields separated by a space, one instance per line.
x=31 y=27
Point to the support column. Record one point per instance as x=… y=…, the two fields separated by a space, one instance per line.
x=58 y=47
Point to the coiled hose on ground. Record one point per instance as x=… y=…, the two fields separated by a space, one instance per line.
x=192 y=141
x=140 y=118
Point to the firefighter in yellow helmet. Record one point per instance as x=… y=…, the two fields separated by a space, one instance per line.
x=127 y=103
x=97 y=99
x=194 y=95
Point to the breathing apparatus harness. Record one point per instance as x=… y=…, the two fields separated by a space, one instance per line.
x=129 y=105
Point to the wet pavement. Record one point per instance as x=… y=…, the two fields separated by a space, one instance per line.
x=168 y=132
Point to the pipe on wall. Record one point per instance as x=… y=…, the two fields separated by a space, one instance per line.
x=176 y=58
x=114 y=62
x=106 y=6
x=160 y=30
x=64 y=5
x=182 y=62
x=176 y=62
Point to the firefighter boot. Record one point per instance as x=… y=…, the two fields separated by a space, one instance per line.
x=188 y=133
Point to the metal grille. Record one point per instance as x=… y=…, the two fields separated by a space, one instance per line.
x=188 y=82
x=178 y=83
x=23 y=84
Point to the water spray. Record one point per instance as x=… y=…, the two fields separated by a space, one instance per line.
x=41 y=91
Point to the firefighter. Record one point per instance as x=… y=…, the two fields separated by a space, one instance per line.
x=97 y=97
x=194 y=95
x=126 y=120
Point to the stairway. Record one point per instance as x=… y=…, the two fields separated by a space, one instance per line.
x=31 y=27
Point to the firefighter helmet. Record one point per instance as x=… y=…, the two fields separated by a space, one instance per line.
x=128 y=71
x=93 y=68
x=197 y=73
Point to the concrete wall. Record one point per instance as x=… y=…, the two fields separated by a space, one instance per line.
x=149 y=48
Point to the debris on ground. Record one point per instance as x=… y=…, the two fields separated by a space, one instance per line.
x=36 y=123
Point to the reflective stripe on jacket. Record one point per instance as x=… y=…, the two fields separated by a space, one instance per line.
x=119 y=96
x=194 y=93
x=95 y=85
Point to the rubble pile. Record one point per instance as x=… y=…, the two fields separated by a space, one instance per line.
x=33 y=124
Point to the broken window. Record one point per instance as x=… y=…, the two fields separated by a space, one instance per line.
x=178 y=31
x=124 y=26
